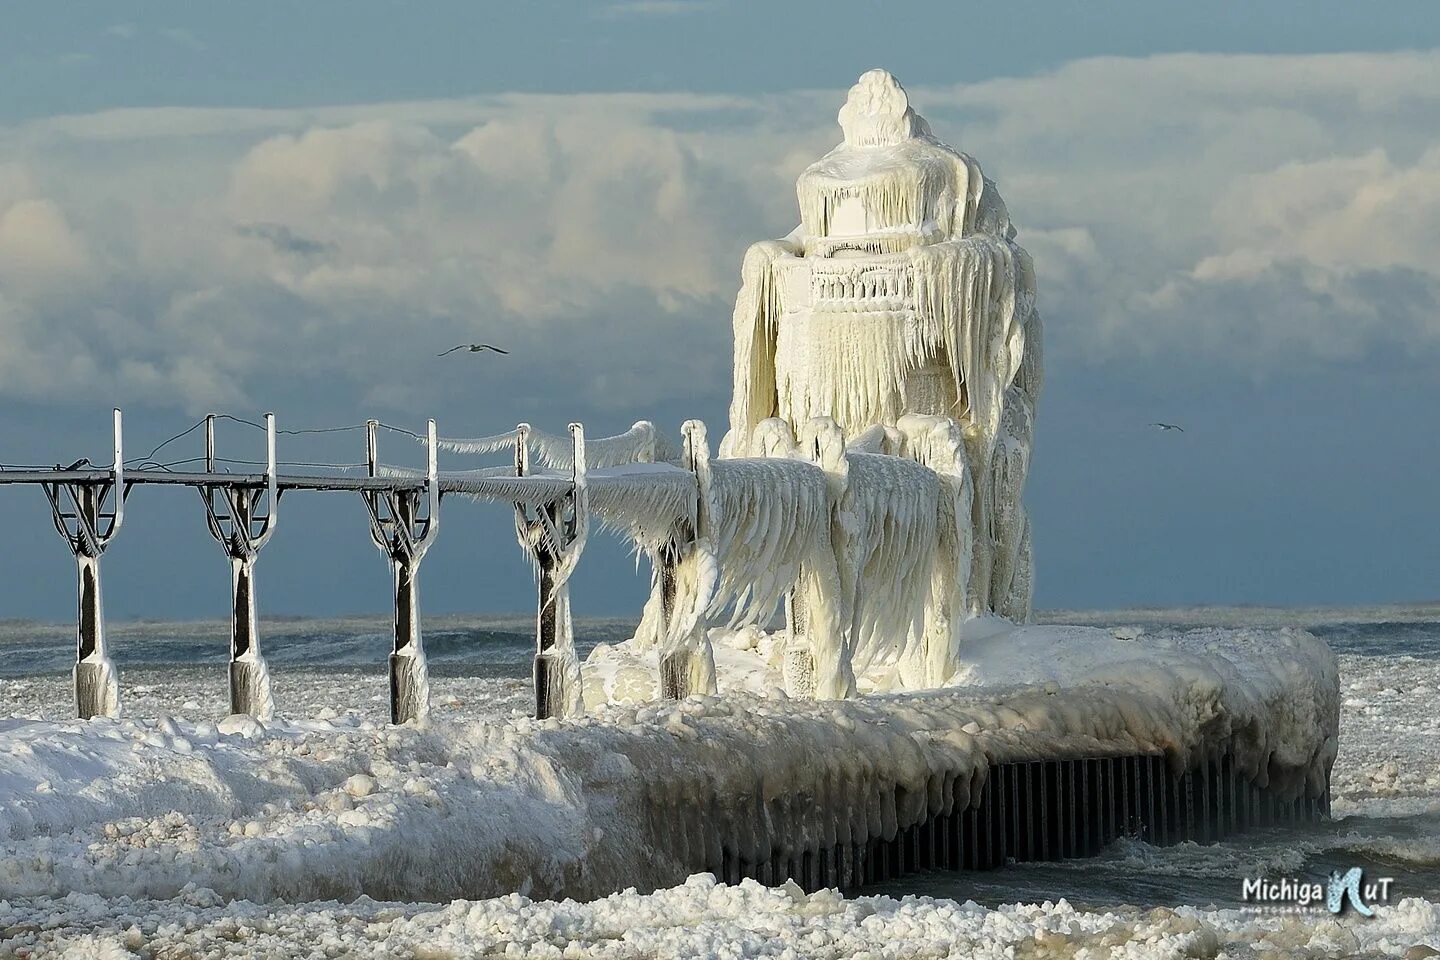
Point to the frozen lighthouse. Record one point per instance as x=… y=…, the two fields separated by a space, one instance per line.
x=886 y=369
x=902 y=309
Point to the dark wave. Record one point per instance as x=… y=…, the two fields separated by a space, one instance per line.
x=490 y=648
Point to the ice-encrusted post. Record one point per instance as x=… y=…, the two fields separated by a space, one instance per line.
x=85 y=524
x=686 y=666
x=555 y=537
x=798 y=668
x=242 y=529
x=674 y=663
x=403 y=524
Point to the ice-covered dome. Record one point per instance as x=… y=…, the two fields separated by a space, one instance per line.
x=889 y=186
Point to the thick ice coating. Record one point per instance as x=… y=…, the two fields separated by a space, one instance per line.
x=901 y=292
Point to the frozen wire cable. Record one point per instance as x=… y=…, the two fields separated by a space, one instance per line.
x=150 y=457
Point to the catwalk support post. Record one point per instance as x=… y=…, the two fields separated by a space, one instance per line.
x=554 y=535
x=241 y=519
x=674 y=663
x=88 y=514
x=686 y=664
x=403 y=524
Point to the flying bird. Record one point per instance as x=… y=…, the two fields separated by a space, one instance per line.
x=1168 y=426
x=473 y=348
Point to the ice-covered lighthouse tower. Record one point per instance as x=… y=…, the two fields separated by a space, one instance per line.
x=902 y=292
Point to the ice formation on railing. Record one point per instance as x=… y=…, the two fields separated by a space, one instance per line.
x=642 y=443
x=884 y=534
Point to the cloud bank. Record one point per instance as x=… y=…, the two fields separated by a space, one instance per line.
x=1248 y=211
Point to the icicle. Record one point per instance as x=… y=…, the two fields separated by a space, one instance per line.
x=895 y=504
x=1009 y=467
x=762 y=517
x=494 y=444
x=966 y=298
x=828 y=364
x=757 y=313
x=938 y=443
x=650 y=631
x=1019 y=604
x=884 y=534
x=642 y=443
x=644 y=507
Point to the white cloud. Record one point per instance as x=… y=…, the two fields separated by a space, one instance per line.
x=38 y=249
x=1253 y=210
x=1259 y=208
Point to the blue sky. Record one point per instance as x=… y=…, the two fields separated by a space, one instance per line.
x=1235 y=217
x=82 y=56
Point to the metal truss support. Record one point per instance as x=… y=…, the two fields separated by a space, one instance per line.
x=241 y=519
x=403 y=524
x=87 y=515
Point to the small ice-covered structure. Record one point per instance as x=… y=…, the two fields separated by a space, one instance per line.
x=902 y=292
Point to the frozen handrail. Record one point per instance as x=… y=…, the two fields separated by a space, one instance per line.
x=642 y=443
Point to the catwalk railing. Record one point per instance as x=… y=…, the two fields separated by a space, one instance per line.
x=404 y=506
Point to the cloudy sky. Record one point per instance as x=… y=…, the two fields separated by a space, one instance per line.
x=1235 y=219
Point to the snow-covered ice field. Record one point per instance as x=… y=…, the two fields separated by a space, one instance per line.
x=316 y=794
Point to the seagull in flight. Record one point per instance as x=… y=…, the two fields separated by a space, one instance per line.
x=1168 y=426
x=473 y=348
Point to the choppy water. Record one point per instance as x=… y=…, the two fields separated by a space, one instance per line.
x=487 y=646
x=1386 y=786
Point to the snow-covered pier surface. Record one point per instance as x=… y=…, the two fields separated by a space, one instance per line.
x=646 y=794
